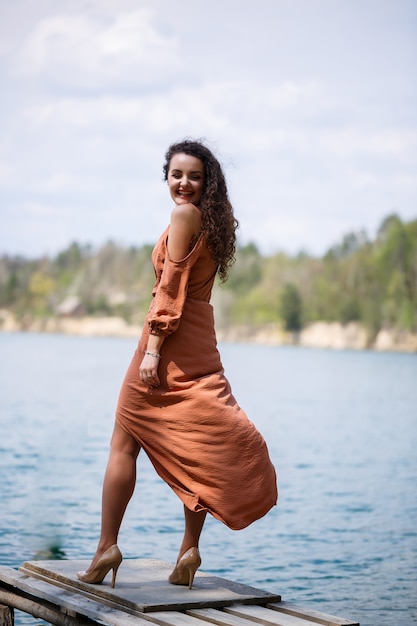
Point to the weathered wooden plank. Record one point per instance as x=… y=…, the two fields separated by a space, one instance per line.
x=315 y=616
x=58 y=606
x=268 y=617
x=47 y=592
x=71 y=605
x=218 y=617
x=142 y=586
x=173 y=618
x=50 y=614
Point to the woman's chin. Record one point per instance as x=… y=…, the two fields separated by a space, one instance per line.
x=183 y=200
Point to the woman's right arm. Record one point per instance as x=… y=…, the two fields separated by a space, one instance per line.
x=148 y=369
x=185 y=224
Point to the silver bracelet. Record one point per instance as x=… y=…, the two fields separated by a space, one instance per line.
x=157 y=356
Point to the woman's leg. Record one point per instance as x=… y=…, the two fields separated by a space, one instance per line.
x=194 y=522
x=118 y=486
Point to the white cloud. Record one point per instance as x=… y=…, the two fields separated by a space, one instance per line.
x=90 y=52
x=382 y=142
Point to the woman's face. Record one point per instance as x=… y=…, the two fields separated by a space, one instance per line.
x=185 y=178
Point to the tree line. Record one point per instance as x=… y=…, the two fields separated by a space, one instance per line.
x=358 y=279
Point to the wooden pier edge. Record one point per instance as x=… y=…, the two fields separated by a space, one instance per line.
x=68 y=607
x=40 y=610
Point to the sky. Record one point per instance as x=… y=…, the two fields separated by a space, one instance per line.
x=310 y=106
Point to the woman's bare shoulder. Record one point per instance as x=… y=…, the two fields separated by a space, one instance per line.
x=186 y=212
x=185 y=224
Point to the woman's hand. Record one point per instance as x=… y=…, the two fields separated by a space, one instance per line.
x=148 y=369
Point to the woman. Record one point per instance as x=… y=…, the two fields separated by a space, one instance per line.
x=175 y=401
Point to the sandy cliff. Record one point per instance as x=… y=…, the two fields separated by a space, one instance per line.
x=326 y=335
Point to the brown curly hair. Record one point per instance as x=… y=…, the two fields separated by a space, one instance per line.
x=218 y=223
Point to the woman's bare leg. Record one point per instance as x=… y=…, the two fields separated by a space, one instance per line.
x=118 y=486
x=194 y=522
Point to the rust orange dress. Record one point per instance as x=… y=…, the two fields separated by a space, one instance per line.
x=197 y=437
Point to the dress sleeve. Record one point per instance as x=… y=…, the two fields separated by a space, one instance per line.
x=169 y=294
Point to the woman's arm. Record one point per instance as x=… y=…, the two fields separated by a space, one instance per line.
x=185 y=224
x=148 y=369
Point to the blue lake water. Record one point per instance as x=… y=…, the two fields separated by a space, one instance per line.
x=342 y=432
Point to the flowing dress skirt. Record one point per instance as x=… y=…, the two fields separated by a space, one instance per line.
x=198 y=439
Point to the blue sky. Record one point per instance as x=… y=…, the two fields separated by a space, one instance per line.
x=309 y=104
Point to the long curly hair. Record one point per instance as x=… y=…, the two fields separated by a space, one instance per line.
x=218 y=223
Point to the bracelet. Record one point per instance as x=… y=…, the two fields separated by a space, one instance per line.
x=157 y=356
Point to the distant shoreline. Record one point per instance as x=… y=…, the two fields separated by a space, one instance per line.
x=325 y=335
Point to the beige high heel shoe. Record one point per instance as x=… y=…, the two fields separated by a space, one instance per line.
x=184 y=571
x=111 y=559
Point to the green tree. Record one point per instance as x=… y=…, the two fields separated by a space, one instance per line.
x=247 y=271
x=41 y=288
x=395 y=257
x=10 y=291
x=291 y=308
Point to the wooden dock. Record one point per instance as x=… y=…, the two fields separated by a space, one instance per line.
x=50 y=590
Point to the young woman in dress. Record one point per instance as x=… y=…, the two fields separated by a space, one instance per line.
x=175 y=401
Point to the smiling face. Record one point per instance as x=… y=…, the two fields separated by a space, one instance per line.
x=185 y=178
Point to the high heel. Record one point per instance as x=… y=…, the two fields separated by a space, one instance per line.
x=184 y=571
x=110 y=560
